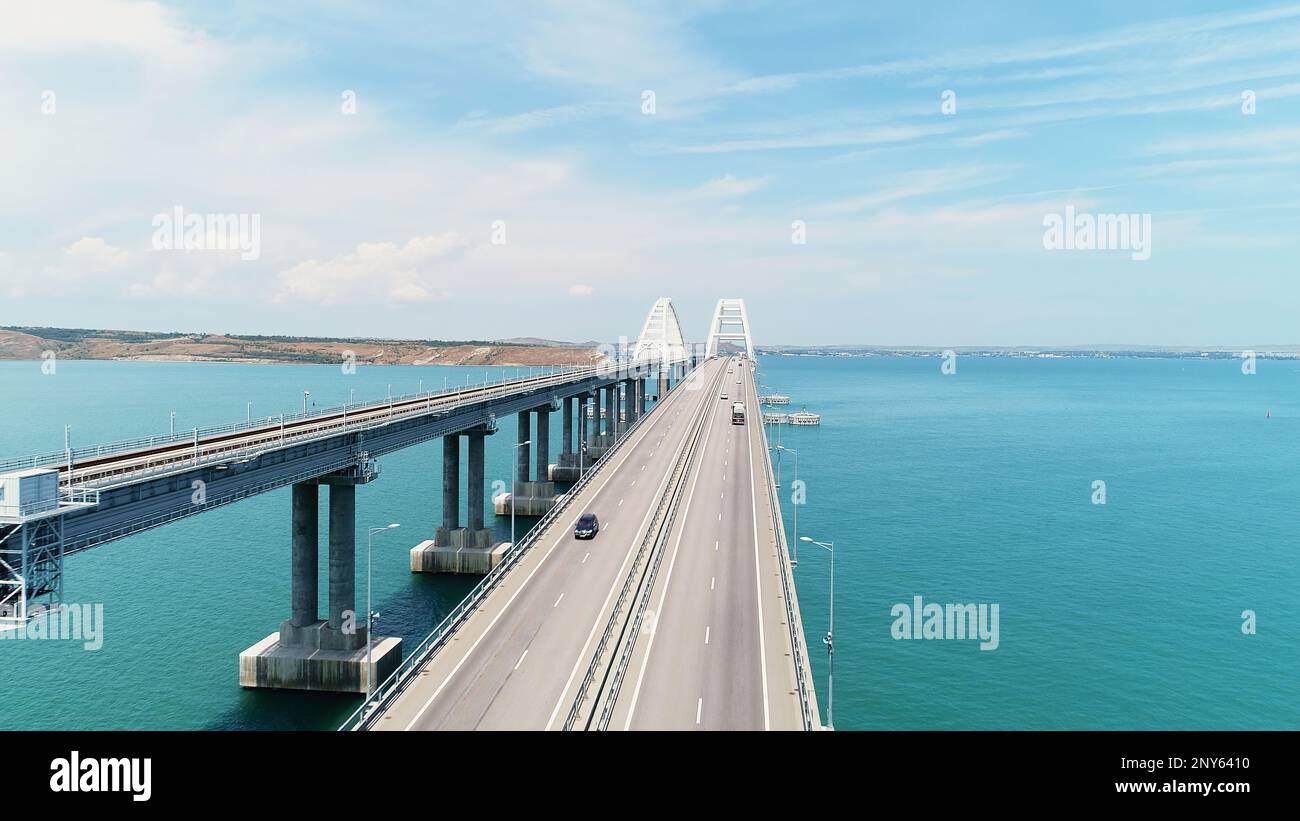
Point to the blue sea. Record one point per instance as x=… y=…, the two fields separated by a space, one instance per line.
x=976 y=487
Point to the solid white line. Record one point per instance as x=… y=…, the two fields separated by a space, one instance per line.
x=558 y=541
x=622 y=573
x=521 y=659
x=699 y=707
x=686 y=512
x=758 y=584
x=557 y=601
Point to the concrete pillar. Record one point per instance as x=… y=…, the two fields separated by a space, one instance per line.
x=474 y=481
x=584 y=401
x=343 y=550
x=305 y=536
x=663 y=383
x=542 y=443
x=611 y=409
x=567 y=425
x=451 y=482
x=521 y=452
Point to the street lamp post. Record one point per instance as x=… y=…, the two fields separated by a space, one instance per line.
x=305 y=395
x=793 y=504
x=829 y=639
x=250 y=414
x=514 y=493
x=371 y=614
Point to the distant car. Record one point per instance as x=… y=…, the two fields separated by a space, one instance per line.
x=587 y=527
x=723 y=397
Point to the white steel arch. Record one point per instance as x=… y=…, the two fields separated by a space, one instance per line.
x=661 y=341
x=730 y=324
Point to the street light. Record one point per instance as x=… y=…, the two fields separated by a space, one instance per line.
x=305 y=394
x=829 y=640
x=794 y=505
x=514 y=493
x=371 y=614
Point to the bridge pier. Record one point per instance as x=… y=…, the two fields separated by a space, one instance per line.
x=603 y=421
x=569 y=466
x=309 y=653
x=531 y=497
x=456 y=549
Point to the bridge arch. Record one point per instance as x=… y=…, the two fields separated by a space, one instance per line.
x=730 y=324
x=661 y=341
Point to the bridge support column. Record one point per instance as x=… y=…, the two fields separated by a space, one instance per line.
x=337 y=654
x=566 y=468
x=468 y=549
x=663 y=382
x=305 y=518
x=611 y=413
x=536 y=497
x=450 y=489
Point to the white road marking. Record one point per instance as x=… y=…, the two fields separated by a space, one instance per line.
x=758 y=584
x=706 y=634
x=663 y=595
x=620 y=502
x=560 y=539
x=622 y=573
x=713 y=582
x=719 y=517
x=521 y=659
x=699 y=708
x=584 y=558
x=557 y=601
x=724 y=495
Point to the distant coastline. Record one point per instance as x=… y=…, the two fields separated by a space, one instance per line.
x=29 y=343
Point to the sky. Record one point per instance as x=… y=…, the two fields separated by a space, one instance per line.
x=873 y=173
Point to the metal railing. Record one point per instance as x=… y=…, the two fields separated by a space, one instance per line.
x=658 y=525
x=277 y=436
x=618 y=671
x=482 y=389
x=802 y=673
x=364 y=717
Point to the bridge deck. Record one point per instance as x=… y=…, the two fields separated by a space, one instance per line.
x=519 y=661
x=719 y=656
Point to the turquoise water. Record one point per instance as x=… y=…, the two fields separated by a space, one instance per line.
x=971 y=488
x=977 y=487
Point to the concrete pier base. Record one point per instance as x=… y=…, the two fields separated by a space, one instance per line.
x=464 y=552
x=567 y=469
x=316 y=657
x=598 y=445
x=532 y=499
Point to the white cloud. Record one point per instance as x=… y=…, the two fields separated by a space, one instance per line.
x=144 y=29
x=581 y=290
x=92 y=254
x=729 y=186
x=374 y=272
